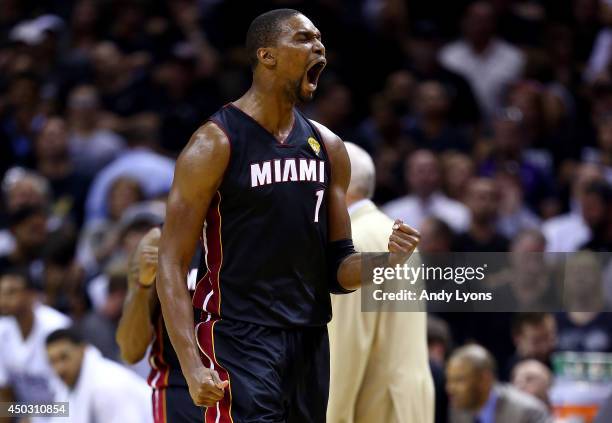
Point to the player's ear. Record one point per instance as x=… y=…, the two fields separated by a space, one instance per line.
x=267 y=56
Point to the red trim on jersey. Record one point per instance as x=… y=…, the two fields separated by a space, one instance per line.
x=205 y=336
x=208 y=291
x=159 y=406
x=160 y=371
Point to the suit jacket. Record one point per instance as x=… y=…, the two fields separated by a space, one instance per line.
x=513 y=406
x=379 y=363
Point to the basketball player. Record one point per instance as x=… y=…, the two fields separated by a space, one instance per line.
x=142 y=324
x=271 y=186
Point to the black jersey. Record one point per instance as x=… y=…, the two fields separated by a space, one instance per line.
x=267 y=227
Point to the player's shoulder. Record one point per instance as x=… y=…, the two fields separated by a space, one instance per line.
x=209 y=146
x=210 y=133
x=333 y=143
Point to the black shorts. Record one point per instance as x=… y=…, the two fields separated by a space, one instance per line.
x=275 y=375
x=173 y=404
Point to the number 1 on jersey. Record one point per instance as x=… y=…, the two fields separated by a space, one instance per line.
x=319 y=195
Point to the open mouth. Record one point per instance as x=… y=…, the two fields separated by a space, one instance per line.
x=314 y=71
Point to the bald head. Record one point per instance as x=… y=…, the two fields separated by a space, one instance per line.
x=532 y=377
x=363 y=173
x=470 y=377
x=477 y=357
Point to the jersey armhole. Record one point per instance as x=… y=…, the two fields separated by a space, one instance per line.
x=324 y=146
x=219 y=125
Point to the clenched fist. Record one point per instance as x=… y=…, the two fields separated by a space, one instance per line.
x=147 y=257
x=205 y=387
x=404 y=239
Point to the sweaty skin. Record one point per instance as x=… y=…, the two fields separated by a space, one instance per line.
x=279 y=80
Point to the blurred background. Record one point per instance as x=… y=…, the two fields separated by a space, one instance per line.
x=490 y=124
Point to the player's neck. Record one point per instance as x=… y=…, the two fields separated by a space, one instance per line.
x=269 y=107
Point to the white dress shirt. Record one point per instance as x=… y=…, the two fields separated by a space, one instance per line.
x=487 y=72
x=107 y=392
x=412 y=210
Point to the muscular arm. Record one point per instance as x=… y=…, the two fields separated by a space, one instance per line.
x=198 y=174
x=402 y=240
x=135 y=331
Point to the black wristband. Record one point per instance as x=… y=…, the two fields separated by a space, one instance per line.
x=337 y=251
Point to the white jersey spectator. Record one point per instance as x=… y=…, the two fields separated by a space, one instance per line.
x=23 y=363
x=97 y=389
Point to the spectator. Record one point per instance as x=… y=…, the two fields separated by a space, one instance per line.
x=20 y=121
x=91 y=146
x=21 y=188
x=487 y=62
x=528 y=283
x=25 y=374
x=62 y=277
x=534 y=378
x=439 y=342
x=99 y=238
x=514 y=215
x=98 y=327
x=459 y=169
x=534 y=335
x=475 y=394
x=597 y=213
x=28 y=226
x=556 y=229
x=584 y=327
x=333 y=106
x=122 y=85
x=182 y=100
x=426 y=199
x=483 y=202
x=53 y=161
x=436 y=236
x=509 y=155
x=432 y=129
x=423 y=48
x=132 y=226
x=602 y=154
x=97 y=389
x=152 y=171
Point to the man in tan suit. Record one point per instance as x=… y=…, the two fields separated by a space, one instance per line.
x=379 y=366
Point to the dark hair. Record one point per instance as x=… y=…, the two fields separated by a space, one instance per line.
x=19 y=272
x=23 y=213
x=264 y=30
x=60 y=248
x=601 y=189
x=69 y=334
x=521 y=320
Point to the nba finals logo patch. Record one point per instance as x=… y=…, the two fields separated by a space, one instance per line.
x=314 y=144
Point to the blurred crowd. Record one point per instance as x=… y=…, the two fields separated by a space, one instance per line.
x=490 y=123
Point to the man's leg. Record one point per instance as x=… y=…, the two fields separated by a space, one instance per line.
x=252 y=358
x=177 y=406
x=310 y=363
